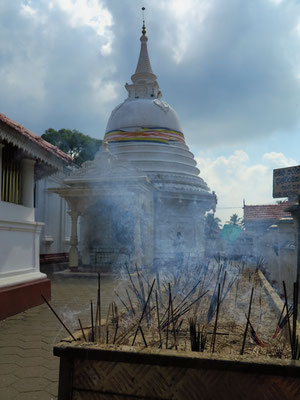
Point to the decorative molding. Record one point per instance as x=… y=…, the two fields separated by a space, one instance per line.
x=21 y=226
x=105 y=165
x=162 y=105
x=48 y=240
x=17 y=272
x=31 y=148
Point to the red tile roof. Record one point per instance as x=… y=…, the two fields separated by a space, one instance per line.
x=266 y=212
x=35 y=138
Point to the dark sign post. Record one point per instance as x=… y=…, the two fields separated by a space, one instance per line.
x=286 y=183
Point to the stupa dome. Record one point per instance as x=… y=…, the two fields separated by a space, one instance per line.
x=143 y=112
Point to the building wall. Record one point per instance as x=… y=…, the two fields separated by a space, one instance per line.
x=277 y=245
x=282 y=254
x=173 y=215
x=19 y=235
x=52 y=210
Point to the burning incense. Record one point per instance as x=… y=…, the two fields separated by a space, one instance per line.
x=129 y=299
x=287 y=313
x=99 y=305
x=92 y=322
x=107 y=322
x=119 y=297
x=135 y=291
x=283 y=321
x=295 y=315
x=142 y=290
x=143 y=336
x=172 y=313
x=216 y=321
x=179 y=313
x=82 y=331
x=190 y=293
x=168 y=322
x=247 y=324
x=194 y=337
x=158 y=319
x=254 y=336
x=115 y=320
x=143 y=313
x=69 y=332
x=97 y=315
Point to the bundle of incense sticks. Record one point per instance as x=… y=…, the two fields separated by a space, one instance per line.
x=254 y=336
x=283 y=320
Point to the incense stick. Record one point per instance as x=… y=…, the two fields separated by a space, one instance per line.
x=122 y=301
x=168 y=322
x=158 y=320
x=216 y=321
x=247 y=324
x=142 y=316
x=172 y=313
x=132 y=309
x=99 y=307
x=92 y=322
x=82 y=331
x=288 y=317
x=295 y=315
x=69 y=332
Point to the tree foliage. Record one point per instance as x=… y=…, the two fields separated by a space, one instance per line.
x=212 y=225
x=79 y=146
x=233 y=228
x=230 y=233
x=235 y=220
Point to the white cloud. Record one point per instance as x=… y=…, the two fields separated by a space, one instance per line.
x=91 y=13
x=276 y=2
x=80 y=13
x=25 y=77
x=186 y=17
x=278 y=160
x=103 y=93
x=26 y=9
x=235 y=178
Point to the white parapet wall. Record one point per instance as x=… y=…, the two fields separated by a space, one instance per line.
x=19 y=256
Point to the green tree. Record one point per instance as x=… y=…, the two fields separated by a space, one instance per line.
x=212 y=226
x=235 y=220
x=230 y=233
x=74 y=143
x=233 y=228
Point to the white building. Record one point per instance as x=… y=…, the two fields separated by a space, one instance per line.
x=142 y=198
x=52 y=210
x=24 y=159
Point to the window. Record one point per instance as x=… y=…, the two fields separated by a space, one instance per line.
x=11 y=175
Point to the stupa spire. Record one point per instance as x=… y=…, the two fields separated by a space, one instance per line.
x=143 y=64
x=144 y=80
x=144 y=28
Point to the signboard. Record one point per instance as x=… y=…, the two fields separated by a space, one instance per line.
x=286 y=182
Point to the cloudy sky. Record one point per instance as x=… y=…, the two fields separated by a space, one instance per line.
x=231 y=70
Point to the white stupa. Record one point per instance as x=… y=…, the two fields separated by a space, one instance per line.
x=141 y=198
x=146 y=130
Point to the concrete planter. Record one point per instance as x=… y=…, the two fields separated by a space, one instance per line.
x=91 y=371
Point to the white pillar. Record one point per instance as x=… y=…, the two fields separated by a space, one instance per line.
x=73 y=252
x=84 y=238
x=137 y=256
x=27 y=182
x=1 y=147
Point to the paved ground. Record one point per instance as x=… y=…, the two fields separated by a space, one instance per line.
x=28 y=370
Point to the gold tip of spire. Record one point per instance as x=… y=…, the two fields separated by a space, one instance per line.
x=144 y=28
